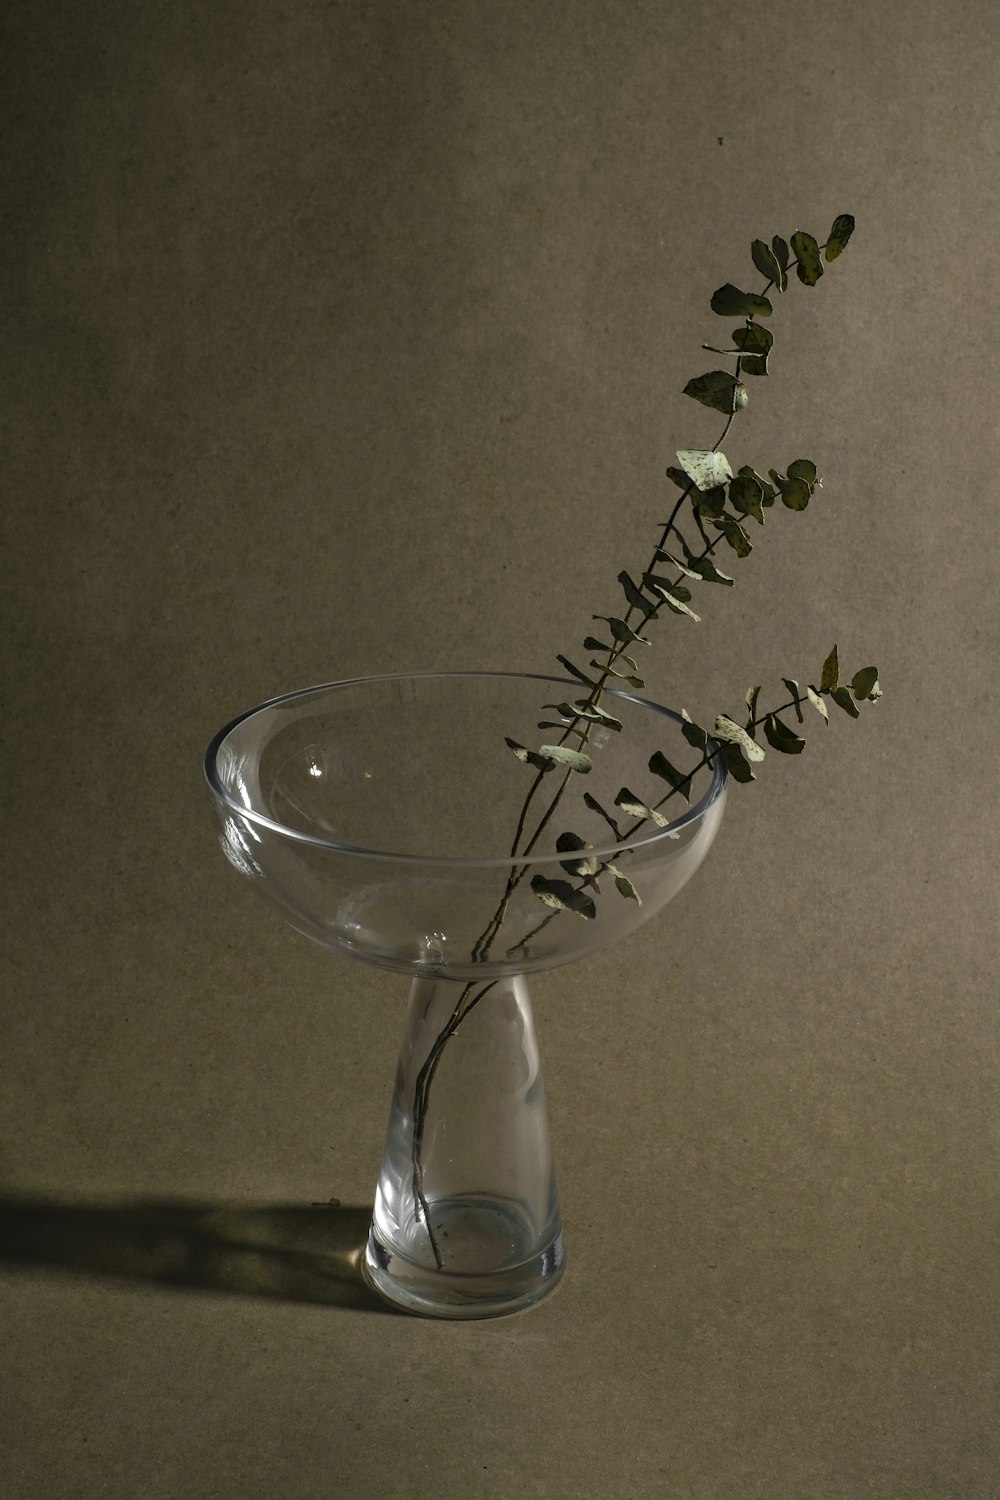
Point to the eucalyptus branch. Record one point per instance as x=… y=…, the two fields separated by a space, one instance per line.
x=726 y=501
x=739 y=747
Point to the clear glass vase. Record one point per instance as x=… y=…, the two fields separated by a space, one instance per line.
x=388 y=819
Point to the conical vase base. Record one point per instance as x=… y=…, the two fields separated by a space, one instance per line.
x=486 y=1231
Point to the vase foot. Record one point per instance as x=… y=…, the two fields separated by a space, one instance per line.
x=473 y=1234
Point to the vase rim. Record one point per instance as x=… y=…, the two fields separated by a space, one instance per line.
x=691 y=814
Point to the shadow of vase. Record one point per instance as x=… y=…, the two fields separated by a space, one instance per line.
x=284 y=1252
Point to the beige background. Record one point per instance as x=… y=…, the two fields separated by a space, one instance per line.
x=341 y=338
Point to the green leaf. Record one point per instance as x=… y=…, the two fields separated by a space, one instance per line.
x=597 y=715
x=865 y=684
x=810 y=267
x=634 y=596
x=737 y=764
x=730 y=302
x=662 y=767
x=793 y=688
x=836 y=240
x=679 y=590
x=780 y=248
x=624 y=886
x=692 y=732
x=632 y=681
x=592 y=644
x=575 y=671
x=583 y=866
x=764 y=260
x=561 y=896
x=830 y=677
x=621 y=632
x=581 y=710
x=636 y=808
x=668 y=557
x=731 y=733
x=795 y=493
x=706 y=569
x=529 y=757
x=804 y=469
x=719 y=390
x=596 y=807
x=750 y=699
x=780 y=737
x=747 y=496
x=672 y=598
x=707 y=468
x=710 y=503
x=817 y=703
x=768 y=491
x=683 y=481
x=573 y=759
x=842 y=697
x=735 y=536
x=753 y=338
x=754 y=341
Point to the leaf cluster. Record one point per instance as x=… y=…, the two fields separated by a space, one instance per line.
x=737 y=743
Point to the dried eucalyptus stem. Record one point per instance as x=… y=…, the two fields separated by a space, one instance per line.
x=717 y=499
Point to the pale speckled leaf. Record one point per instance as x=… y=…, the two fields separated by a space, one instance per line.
x=529 y=757
x=597 y=715
x=561 y=896
x=632 y=680
x=817 y=703
x=673 y=600
x=636 y=808
x=668 y=557
x=732 y=733
x=575 y=760
x=707 y=469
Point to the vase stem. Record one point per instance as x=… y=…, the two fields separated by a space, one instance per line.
x=466 y=1221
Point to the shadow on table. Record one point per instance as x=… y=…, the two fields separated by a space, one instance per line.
x=286 y=1252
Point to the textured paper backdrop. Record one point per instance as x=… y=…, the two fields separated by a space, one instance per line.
x=345 y=338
